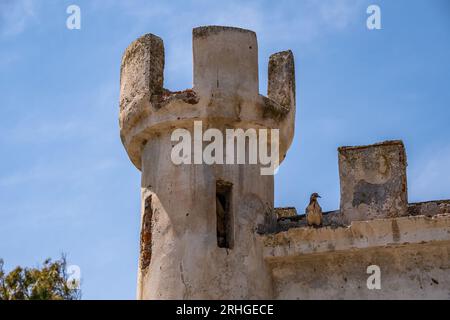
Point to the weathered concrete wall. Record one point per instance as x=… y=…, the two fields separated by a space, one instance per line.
x=413 y=254
x=186 y=260
x=180 y=257
x=288 y=218
x=373 y=181
x=410 y=243
x=411 y=272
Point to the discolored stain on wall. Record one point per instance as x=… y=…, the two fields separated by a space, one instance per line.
x=146 y=234
x=373 y=181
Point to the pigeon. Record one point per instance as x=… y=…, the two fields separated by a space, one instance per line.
x=314 y=211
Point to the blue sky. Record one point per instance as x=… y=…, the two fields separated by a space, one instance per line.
x=66 y=183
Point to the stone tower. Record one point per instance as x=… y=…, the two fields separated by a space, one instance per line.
x=200 y=222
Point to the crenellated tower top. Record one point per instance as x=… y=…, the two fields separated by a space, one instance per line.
x=225 y=88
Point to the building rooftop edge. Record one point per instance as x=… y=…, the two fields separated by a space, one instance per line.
x=384 y=143
x=203 y=31
x=379 y=233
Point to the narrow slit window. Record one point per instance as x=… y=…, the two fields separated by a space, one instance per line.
x=223 y=214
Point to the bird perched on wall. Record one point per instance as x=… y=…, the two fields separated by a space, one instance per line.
x=314 y=211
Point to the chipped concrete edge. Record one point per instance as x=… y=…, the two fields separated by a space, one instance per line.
x=359 y=235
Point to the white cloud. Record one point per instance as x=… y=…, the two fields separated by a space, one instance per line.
x=339 y=14
x=15 y=15
x=298 y=20
x=280 y=25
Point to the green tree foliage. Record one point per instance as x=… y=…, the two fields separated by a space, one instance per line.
x=49 y=282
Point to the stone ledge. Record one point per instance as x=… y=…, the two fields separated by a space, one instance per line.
x=384 y=143
x=288 y=217
x=359 y=235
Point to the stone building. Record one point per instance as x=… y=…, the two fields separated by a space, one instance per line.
x=210 y=231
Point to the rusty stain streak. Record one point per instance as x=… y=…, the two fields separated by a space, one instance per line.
x=395 y=231
x=146 y=234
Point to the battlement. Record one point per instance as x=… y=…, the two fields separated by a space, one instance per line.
x=225 y=62
x=375 y=226
x=225 y=90
x=373 y=186
x=204 y=212
x=210 y=230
